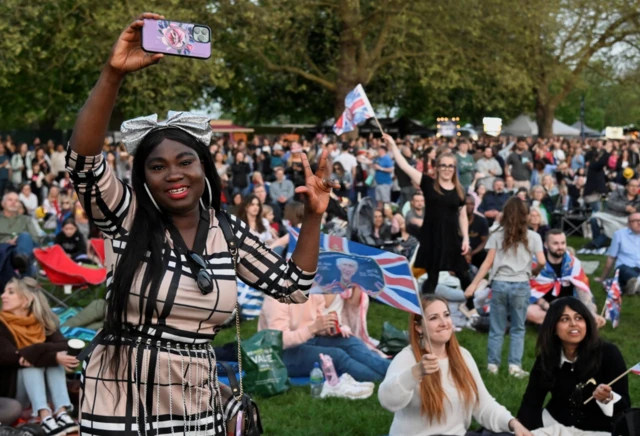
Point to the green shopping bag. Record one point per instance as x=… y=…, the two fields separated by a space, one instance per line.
x=393 y=340
x=265 y=372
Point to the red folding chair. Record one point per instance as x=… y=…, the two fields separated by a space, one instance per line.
x=62 y=271
x=97 y=245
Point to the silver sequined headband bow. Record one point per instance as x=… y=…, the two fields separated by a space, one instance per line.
x=134 y=131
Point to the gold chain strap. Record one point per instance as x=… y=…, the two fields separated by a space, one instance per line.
x=234 y=252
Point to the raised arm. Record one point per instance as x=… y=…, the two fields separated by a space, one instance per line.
x=126 y=56
x=414 y=174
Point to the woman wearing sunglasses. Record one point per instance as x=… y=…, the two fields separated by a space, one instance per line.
x=172 y=277
x=444 y=235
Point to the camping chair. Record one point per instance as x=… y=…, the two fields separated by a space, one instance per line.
x=62 y=271
x=361 y=222
x=97 y=246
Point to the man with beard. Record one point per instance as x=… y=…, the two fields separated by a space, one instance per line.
x=415 y=215
x=562 y=276
x=494 y=201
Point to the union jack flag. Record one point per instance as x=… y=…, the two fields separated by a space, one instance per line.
x=357 y=110
x=383 y=275
x=571 y=272
x=614 y=300
x=635 y=369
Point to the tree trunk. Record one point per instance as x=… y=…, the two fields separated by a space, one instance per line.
x=545 y=114
x=347 y=74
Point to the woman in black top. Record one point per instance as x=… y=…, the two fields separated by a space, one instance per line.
x=72 y=241
x=240 y=171
x=444 y=235
x=573 y=364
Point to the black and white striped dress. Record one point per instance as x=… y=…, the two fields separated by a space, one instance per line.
x=170 y=384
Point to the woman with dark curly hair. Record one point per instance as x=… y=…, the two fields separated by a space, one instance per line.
x=509 y=259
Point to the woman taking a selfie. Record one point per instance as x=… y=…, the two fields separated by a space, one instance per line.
x=573 y=364
x=33 y=356
x=433 y=386
x=172 y=278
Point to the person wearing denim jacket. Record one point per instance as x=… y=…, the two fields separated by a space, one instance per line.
x=511 y=250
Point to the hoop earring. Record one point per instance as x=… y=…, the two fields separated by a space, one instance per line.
x=210 y=192
x=151 y=197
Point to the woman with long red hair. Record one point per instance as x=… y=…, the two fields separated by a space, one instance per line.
x=433 y=385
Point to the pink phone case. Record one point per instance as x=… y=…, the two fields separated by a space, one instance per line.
x=175 y=38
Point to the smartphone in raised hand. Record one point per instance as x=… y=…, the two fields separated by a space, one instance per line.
x=176 y=38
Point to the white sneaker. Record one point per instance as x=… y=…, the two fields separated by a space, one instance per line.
x=492 y=368
x=348 y=379
x=517 y=372
x=345 y=389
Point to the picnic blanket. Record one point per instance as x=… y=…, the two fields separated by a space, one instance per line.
x=610 y=223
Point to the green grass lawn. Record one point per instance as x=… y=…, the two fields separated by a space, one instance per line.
x=296 y=413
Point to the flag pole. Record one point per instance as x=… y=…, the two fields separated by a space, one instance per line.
x=424 y=323
x=378 y=123
x=604 y=307
x=615 y=380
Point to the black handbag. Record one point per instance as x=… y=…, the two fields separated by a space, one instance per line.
x=251 y=423
x=627 y=423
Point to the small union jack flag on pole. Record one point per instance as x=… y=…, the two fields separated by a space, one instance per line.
x=613 y=305
x=357 y=110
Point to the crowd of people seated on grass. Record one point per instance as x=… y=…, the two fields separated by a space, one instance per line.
x=504 y=199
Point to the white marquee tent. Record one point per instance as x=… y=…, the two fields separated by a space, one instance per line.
x=525 y=126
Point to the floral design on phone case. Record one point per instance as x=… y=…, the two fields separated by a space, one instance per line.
x=176 y=36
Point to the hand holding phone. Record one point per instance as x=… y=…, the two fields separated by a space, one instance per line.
x=127 y=54
x=176 y=38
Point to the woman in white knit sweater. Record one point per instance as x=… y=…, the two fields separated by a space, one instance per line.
x=438 y=391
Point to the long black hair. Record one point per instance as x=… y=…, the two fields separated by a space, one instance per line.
x=549 y=346
x=147 y=235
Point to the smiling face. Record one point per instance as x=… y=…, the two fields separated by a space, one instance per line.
x=13 y=301
x=446 y=169
x=439 y=324
x=571 y=328
x=347 y=270
x=175 y=176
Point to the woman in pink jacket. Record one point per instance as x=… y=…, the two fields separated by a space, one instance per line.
x=306 y=333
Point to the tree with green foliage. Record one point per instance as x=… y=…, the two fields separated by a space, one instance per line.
x=335 y=44
x=51 y=53
x=611 y=98
x=554 y=41
x=421 y=56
